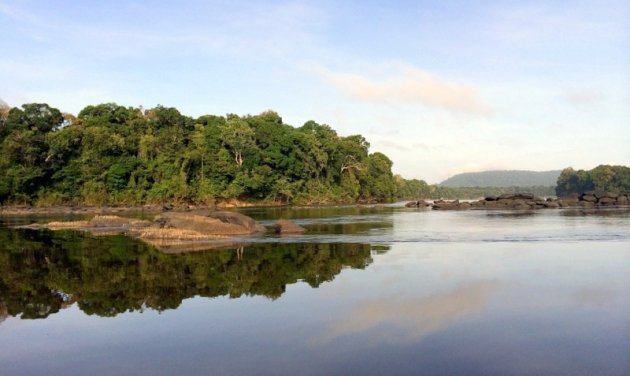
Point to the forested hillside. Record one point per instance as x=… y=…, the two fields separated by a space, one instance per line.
x=503 y=178
x=114 y=154
x=419 y=189
x=603 y=178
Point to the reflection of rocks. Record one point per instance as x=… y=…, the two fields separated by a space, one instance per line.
x=416 y=318
x=182 y=246
x=3 y=313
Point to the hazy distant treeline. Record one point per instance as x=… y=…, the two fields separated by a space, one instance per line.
x=419 y=189
x=503 y=178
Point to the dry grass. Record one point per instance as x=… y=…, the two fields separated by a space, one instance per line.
x=174 y=234
x=67 y=225
x=115 y=221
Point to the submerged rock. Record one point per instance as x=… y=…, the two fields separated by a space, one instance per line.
x=283 y=226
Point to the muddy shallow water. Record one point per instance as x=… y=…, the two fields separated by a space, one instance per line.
x=365 y=291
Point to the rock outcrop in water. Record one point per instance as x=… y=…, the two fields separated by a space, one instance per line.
x=170 y=230
x=527 y=201
x=284 y=227
x=417 y=204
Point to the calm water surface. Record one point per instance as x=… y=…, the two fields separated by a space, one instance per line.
x=365 y=291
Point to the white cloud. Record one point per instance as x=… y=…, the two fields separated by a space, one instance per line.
x=389 y=144
x=583 y=96
x=407 y=85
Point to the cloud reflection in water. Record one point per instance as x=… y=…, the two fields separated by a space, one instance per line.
x=405 y=319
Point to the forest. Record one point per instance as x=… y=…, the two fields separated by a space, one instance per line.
x=110 y=154
x=601 y=178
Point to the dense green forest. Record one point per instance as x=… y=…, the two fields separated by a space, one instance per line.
x=124 y=155
x=503 y=178
x=603 y=178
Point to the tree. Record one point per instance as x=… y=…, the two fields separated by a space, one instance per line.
x=238 y=138
x=115 y=154
x=37 y=117
x=4 y=113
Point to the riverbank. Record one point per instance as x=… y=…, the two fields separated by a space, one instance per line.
x=25 y=210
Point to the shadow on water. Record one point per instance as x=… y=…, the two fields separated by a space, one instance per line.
x=43 y=272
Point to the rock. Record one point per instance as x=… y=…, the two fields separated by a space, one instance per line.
x=167 y=207
x=417 y=204
x=587 y=204
x=446 y=205
x=478 y=204
x=491 y=198
x=506 y=196
x=622 y=200
x=523 y=196
x=601 y=194
x=588 y=198
x=568 y=201
x=552 y=205
x=114 y=221
x=606 y=201
x=504 y=202
x=237 y=219
x=283 y=226
x=222 y=223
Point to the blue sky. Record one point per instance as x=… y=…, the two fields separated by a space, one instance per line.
x=440 y=87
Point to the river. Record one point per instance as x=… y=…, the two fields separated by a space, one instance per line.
x=369 y=291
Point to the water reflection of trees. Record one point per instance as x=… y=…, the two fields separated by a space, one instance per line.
x=41 y=273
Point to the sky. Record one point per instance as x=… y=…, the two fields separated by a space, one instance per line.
x=441 y=87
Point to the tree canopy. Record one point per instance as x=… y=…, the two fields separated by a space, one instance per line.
x=114 y=154
x=602 y=178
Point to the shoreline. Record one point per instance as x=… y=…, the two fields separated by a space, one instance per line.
x=25 y=210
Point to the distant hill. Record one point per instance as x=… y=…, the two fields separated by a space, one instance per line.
x=503 y=178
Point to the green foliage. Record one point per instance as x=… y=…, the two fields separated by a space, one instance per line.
x=603 y=177
x=115 y=154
